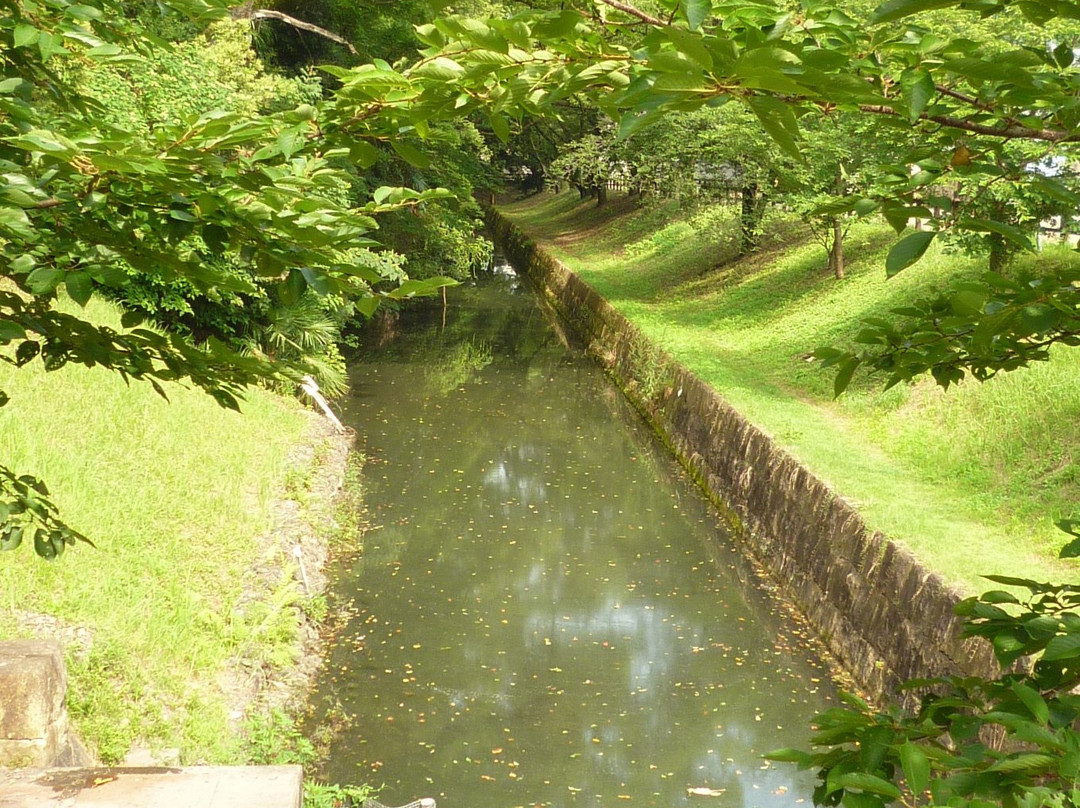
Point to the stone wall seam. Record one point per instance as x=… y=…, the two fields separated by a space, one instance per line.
x=879 y=612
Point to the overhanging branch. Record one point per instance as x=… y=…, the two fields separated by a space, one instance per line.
x=1011 y=131
x=269 y=14
x=626 y=8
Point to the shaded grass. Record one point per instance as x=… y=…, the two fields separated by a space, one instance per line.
x=971 y=480
x=174 y=494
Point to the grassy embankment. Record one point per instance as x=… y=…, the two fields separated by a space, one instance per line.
x=175 y=495
x=971 y=480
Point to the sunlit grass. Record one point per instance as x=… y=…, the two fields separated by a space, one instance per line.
x=972 y=480
x=174 y=494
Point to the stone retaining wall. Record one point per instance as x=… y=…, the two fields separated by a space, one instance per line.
x=884 y=617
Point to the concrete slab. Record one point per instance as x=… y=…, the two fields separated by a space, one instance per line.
x=154 y=787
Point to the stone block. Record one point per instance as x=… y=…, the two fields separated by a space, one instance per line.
x=33 y=721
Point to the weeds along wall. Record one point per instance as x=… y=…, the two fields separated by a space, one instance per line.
x=884 y=617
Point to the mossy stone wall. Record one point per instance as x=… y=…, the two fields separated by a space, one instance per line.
x=885 y=617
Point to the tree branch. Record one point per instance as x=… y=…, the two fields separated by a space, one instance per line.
x=1007 y=131
x=967 y=99
x=268 y=14
x=626 y=8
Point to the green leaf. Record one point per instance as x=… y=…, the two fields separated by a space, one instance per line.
x=441 y=68
x=1033 y=701
x=981 y=70
x=43 y=545
x=11 y=330
x=48 y=44
x=779 y=121
x=410 y=154
x=294 y=287
x=316 y=281
x=430 y=35
x=44 y=280
x=216 y=238
x=1009 y=647
x=80 y=287
x=363 y=153
x=82 y=12
x=967 y=302
x=917 y=88
x=1028 y=761
x=844 y=373
x=864 y=781
x=697 y=11
x=290 y=141
x=24 y=35
x=907 y=251
x=367 y=305
x=789 y=755
x=558 y=26
x=855 y=799
x=420 y=288
x=23 y=264
x=11 y=538
x=1024 y=583
x=895 y=9
x=499 y=126
x=998 y=596
x=916 y=767
x=1011 y=232
x=690 y=45
x=1063 y=647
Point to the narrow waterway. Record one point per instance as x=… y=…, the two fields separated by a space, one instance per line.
x=549 y=613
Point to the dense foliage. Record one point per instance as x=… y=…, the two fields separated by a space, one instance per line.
x=219 y=210
x=954 y=107
x=951 y=751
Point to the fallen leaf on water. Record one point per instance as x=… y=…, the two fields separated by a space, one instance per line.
x=703 y=791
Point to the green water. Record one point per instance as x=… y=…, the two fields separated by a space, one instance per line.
x=548 y=613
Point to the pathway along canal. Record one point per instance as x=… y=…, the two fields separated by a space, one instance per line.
x=549 y=613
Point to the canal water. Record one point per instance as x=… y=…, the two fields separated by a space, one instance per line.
x=548 y=613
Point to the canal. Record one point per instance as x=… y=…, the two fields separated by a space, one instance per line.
x=548 y=613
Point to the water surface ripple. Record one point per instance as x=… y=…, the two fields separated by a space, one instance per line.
x=548 y=614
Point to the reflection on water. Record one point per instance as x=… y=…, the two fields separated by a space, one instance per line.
x=549 y=614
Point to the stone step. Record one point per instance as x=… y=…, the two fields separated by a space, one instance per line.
x=153 y=787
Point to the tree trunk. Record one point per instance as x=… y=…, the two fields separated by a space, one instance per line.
x=999 y=253
x=836 y=254
x=749 y=219
x=601 y=194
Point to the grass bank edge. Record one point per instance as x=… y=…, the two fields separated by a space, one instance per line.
x=179 y=497
x=920 y=466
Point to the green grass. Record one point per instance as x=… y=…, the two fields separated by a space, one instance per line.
x=174 y=494
x=971 y=480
